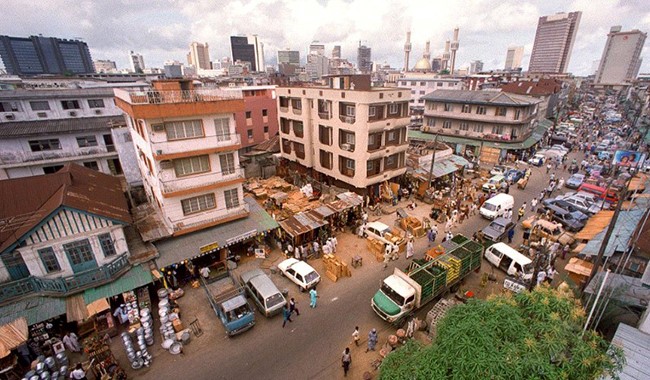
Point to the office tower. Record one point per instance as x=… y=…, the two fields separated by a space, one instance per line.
x=454 y=49
x=37 y=55
x=620 y=61
x=445 y=56
x=316 y=48
x=288 y=61
x=475 y=67
x=336 y=52
x=364 y=59
x=553 y=43
x=317 y=66
x=513 y=57
x=104 y=66
x=136 y=61
x=248 y=49
x=173 y=69
x=436 y=64
x=407 y=51
x=199 y=56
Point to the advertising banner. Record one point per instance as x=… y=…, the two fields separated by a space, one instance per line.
x=627 y=158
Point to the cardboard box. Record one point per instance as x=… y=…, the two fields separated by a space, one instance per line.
x=178 y=325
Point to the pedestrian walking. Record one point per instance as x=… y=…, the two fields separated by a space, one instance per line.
x=541 y=276
x=508 y=214
x=355 y=335
x=511 y=234
x=526 y=236
x=542 y=195
x=548 y=167
x=565 y=250
x=430 y=236
x=334 y=243
x=560 y=183
x=313 y=296
x=346 y=360
x=316 y=248
x=292 y=307
x=372 y=340
x=550 y=274
x=71 y=342
x=409 y=248
x=78 y=373
x=362 y=229
x=522 y=211
x=286 y=313
x=533 y=204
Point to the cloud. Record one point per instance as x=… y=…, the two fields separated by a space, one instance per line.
x=163 y=29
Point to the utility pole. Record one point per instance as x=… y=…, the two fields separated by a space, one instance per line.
x=433 y=158
x=539 y=256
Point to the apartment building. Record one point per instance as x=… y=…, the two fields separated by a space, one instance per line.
x=346 y=131
x=43 y=129
x=258 y=121
x=186 y=144
x=477 y=118
x=421 y=84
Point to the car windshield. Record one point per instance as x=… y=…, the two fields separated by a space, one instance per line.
x=237 y=313
x=489 y=206
x=310 y=277
x=493 y=181
x=498 y=227
x=390 y=293
x=274 y=300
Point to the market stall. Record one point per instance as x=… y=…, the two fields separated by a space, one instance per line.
x=103 y=364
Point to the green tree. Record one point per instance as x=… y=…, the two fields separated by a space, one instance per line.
x=531 y=335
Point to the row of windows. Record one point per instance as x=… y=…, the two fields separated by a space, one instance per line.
x=78 y=252
x=207 y=202
x=464 y=126
x=82 y=142
x=480 y=110
x=249 y=114
x=44 y=105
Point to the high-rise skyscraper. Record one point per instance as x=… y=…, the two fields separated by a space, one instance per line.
x=288 y=61
x=199 y=56
x=475 y=67
x=248 y=49
x=45 y=55
x=513 y=57
x=316 y=48
x=621 y=58
x=336 y=52
x=137 y=62
x=364 y=59
x=553 y=43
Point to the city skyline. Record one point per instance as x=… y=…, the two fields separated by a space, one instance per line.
x=488 y=28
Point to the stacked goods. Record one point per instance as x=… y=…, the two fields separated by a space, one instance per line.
x=412 y=225
x=376 y=247
x=451 y=264
x=335 y=268
x=434 y=252
x=476 y=251
x=465 y=257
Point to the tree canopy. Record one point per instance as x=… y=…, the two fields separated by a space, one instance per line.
x=530 y=335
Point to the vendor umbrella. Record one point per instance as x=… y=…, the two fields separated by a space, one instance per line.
x=12 y=335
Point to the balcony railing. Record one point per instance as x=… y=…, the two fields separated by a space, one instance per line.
x=194 y=181
x=189 y=145
x=347 y=119
x=237 y=213
x=324 y=115
x=179 y=96
x=63 y=286
x=479 y=135
x=9 y=158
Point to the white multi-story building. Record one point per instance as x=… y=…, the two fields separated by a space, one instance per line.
x=137 y=62
x=421 y=84
x=348 y=131
x=514 y=57
x=43 y=129
x=621 y=58
x=186 y=146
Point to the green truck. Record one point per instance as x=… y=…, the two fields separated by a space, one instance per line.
x=404 y=292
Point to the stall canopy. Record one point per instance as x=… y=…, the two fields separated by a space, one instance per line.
x=620 y=239
x=136 y=277
x=595 y=225
x=352 y=199
x=441 y=167
x=185 y=247
x=33 y=309
x=98 y=306
x=12 y=335
x=75 y=308
x=302 y=223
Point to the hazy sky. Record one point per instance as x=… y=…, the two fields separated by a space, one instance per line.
x=162 y=30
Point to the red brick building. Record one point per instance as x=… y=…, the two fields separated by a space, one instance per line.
x=259 y=120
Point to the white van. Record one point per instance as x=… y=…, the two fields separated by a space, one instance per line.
x=501 y=255
x=497 y=206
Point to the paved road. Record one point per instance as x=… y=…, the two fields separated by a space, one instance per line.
x=310 y=347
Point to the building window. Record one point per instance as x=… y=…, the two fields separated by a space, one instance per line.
x=414 y=83
x=50 y=262
x=227 y=162
x=446 y=124
x=449 y=107
x=92 y=165
x=422 y=92
x=298 y=129
x=222 y=129
x=431 y=122
x=478 y=128
x=372 y=111
x=347 y=137
x=350 y=111
x=265 y=112
x=86 y=141
x=249 y=134
x=325 y=135
x=480 y=110
x=248 y=114
x=191 y=165
x=300 y=150
x=497 y=130
x=187 y=129
x=96 y=103
x=198 y=204
x=391 y=162
x=266 y=129
x=107 y=244
x=393 y=109
x=79 y=251
x=52 y=169
x=423 y=83
x=40 y=105
x=41 y=145
x=70 y=104
x=232 y=198
x=285 y=127
x=9 y=107
x=349 y=164
x=501 y=111
x=326 y=159
x=296 y=104
x=439 y=84
x=464 y=126
x=467 y=108
x=517 y=114
x=392 y=137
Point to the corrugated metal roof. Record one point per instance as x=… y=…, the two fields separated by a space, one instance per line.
x=480 y=97
x=353 y=199
x=626 y=289
x=636 y=347
x=620 y=239
x=136 y=277
x=441 y=167
x=59 y=126
x=34 y=309
x=324 y=211
x=174 y=250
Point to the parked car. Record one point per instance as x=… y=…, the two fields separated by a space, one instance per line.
x=262 y=290
x=582 y=204
x=604 y=155
x=498 y=229
x=566 y=218
x=568 y=207
x=494 y=183
x=550 y=230
x=380 y=231
x=537 y=160
x=499 y=170
x=574 y=181
x=514 y=175
x=299 y=272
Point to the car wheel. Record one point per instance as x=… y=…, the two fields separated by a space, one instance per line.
x=302 y=290
x=282 y=273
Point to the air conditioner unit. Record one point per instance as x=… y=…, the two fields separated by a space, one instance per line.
x=158 y=127
x=346 y=147
x=10 y=116
x=41 y=114
x=72 y=113
x=98 y=112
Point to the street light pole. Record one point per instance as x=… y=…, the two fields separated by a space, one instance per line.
x=433 y=158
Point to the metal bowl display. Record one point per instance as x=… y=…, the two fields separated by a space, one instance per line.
x=136 y=364
x=63 y=370
x=162 y=293
x=167 y=343
x=50 y=362
x=40 y=367
x=176 y=348
x=144 y=312
x=35 y=377
x=45 y=375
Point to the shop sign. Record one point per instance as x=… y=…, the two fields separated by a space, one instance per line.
x=513 y=286
x=210 y=247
